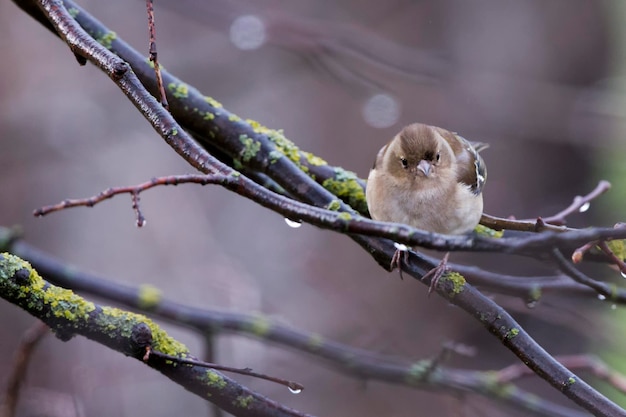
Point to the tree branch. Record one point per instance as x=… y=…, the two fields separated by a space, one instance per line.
x=453 y=286
x=422 y=374
x=68 y=315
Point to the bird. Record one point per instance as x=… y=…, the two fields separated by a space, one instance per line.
x=428 y=178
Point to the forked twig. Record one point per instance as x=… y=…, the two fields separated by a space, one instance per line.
x=555 y=222
x=577 y=255
x=133 y=190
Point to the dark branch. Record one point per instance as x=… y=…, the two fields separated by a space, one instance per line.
x=299 y=185
x=68 y=315
x=424 y=374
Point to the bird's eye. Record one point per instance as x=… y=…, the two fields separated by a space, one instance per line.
x=405 y=163
x=438 y=156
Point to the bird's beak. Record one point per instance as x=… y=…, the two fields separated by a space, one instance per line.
x=425 y=167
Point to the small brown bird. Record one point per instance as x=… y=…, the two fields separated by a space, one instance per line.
x=428 y=178
x=431 y=179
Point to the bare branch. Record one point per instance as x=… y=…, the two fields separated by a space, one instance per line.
x=553 y=223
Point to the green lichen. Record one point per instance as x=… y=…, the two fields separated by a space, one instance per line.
x=74 y=312
x=243 y=402
x=237 y=164
x=314 y=159
x=149 y=296
x=512 y=333
x=106 y=39
x=73 y=11
x=345 y=216
x=179 y=90
x=151 y=63
x=209 y=116
x=260 y=326
x=417 y=371
x=492 y=382
x=36 y=295
x=315 y=342
x=234 y=118
x=215 y=380
x=334 y=205
x=251 y=148
x=571 y=381
x=488 y=232
x=274 y=156
x=534 y=294
x=344 y=184
x=282 y=144
x=618 y=248
x=457 y=280
x=350 y=191
x=213 y=102
x=285 y=146
x=64 y=303
x=235 y=174
x=114 y=321
x=174 y=131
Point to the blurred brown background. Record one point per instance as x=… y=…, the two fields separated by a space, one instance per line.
x=542 y=82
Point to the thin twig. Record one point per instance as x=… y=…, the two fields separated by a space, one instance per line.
x=346 y=223
x=153 y=54
x=555 y=223
x=601 y=288
x=603 y=246
x=578 y=203
x=590 y=363
x=293 y=386
x=134 y=191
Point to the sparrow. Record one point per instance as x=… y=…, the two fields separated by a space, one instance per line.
x=429 y=178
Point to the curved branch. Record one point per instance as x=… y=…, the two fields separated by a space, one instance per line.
x=357 y=362
x=452 y=286
x=555 y=223
x=68 y=315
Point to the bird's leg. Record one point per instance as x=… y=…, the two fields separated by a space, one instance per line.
x=436 y=273
x=400 y=255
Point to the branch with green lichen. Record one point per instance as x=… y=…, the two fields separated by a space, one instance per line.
x=69 y=315
x=365 y=232
x=255 y=145
x=424 y=374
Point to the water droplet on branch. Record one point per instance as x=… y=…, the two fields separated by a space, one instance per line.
x=295 y=390
x=401 y=247
x=584 y=207
x=293 y=223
